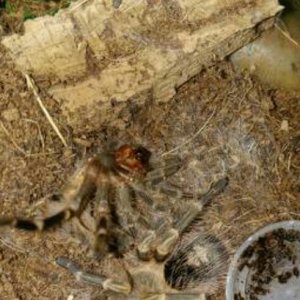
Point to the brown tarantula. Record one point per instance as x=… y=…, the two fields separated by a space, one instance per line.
x=116 y=199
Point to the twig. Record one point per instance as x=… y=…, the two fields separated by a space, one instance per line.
x=11 y=139
x=287 y=35
x=193 y=137
x=33 y=87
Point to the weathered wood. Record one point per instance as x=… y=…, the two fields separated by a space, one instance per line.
x=101 y=50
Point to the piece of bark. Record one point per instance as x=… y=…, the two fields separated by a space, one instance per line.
x=97 y=51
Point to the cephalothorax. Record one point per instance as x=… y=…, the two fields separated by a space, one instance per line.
x=115 y=199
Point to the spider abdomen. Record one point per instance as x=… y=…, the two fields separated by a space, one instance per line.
x=197 y=263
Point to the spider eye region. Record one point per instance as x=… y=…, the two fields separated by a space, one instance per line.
x=133 y=158
x=142 y=155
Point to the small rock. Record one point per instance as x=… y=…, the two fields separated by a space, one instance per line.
x=11 y=114
x=284 y=125
x=267 y=104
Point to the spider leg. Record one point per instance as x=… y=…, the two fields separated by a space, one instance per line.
x=165 y=169
x=165 y=241
x=173 y=191
x=104 y=220
x=37 y=224
x=75 y=194
x=125 y=198
x=157 y=175
x=171 y=236
x=203 y=200
x=115 y=219
x=122 y=287
x=128 y=216
x=168 y=189
x=56 y=219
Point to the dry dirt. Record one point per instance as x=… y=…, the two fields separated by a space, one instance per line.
x=251 y=134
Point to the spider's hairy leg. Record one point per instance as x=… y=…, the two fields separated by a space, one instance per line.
x=122 y=287
x=203 y=200
x=140 y=190
x=37 y=224
x=127 y=216
x=154 y=181
x=169 y=238
x=175 y=192
x=115 y=218
x=144 y=248
x=74 y=194
x=103 y=217
x=215 y=189
x=172 y=191
x=162 y=170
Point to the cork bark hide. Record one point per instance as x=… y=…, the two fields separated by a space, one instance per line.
x=101 y=50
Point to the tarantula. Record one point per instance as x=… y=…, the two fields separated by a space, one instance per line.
x=114 y=198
